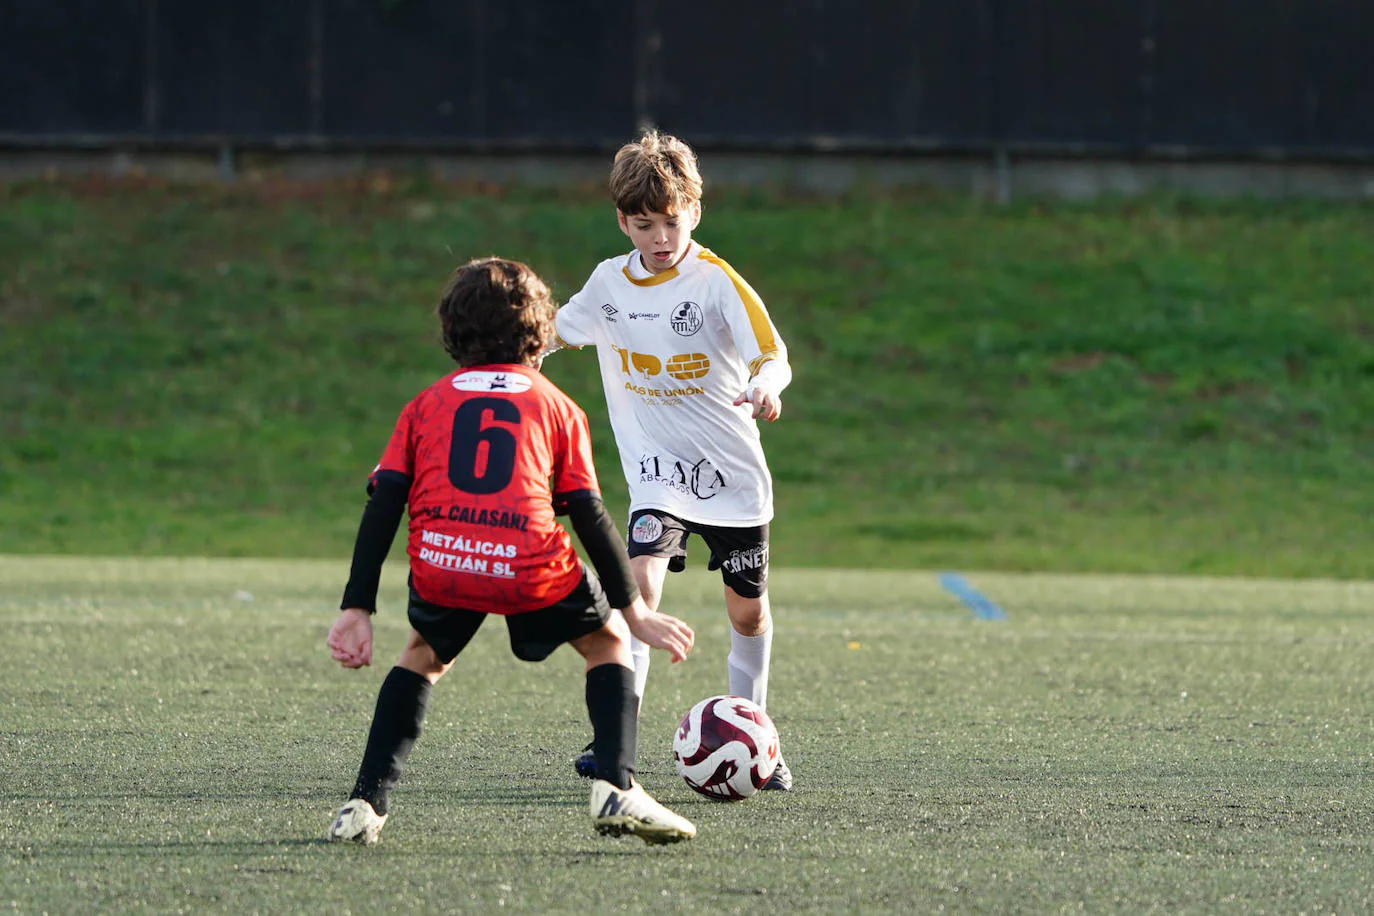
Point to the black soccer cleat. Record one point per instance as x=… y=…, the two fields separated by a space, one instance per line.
x=585 y=763
x=781 y=780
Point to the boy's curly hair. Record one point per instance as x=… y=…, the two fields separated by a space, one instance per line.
x=495 y=311
x=655 y=174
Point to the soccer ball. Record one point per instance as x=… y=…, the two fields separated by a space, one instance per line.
x=726 y=748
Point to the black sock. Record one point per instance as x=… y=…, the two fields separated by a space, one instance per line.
x=395 y=726
x=614 y=711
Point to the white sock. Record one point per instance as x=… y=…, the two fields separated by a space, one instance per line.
x=748 y=665
x=639 y=653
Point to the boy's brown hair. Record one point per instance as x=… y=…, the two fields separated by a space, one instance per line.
x=495 y=311
x=655 y=174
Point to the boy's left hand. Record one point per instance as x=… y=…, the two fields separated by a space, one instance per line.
x=765 y=404
x=662 y=631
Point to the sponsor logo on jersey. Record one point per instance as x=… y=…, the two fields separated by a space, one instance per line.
x=647 y=316
x=687 y=318
x=645 y=365
x=688 y=365
x=701 y=479
x=681 y=366
x=466 y=544
x=466 y=555
x=491 y=381
x=647 y=529
x=489 y=518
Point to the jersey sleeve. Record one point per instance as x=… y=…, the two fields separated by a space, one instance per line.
x=574 y=473
x=381 y=517
x=576 y=321
x=756 y=338
x=605 y=549
x=398 y=459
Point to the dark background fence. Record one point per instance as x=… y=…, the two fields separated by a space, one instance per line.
x=1274 y=78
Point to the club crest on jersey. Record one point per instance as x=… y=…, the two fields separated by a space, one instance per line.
x=477 y=380
x=687 y=318
x=647 y=529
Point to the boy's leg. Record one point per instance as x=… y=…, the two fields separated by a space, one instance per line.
x=619 y=805
x=400 y=713
x=656 y=544
x=741 y=554
x=751 y=650
x=611 y=702
x=585 y=621
x=751 y=645
x=397 y=721
x=649 y=573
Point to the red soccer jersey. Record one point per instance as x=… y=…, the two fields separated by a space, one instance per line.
x=488 y=450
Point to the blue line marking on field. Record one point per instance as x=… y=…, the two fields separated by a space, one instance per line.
x=983 y=607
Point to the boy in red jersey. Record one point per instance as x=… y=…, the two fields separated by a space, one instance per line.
x=483 y=459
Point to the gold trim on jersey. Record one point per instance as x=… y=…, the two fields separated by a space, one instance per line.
x=758 y=362
x=654 y=280
x=753 y=307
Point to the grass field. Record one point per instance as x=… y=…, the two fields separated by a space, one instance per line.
x=1147 y=386
x=175 y=737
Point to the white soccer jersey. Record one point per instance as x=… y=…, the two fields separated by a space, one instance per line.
x=676 y=349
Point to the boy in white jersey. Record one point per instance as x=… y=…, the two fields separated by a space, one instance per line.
x=689 y=361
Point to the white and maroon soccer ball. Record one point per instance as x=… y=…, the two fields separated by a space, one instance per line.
x=726 y=748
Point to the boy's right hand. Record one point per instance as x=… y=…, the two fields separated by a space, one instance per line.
x=350 y=639
x=763 y=404
x=662 y=631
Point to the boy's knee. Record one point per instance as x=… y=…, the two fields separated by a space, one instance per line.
x=608 y=645
x=751 y=626
x=609 y=639
x=419 y=656
x=749 y=616
x=532 y=652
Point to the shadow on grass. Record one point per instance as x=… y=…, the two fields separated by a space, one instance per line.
x=155 y=849
x=85 y=848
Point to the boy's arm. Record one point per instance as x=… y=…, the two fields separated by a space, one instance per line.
x=350 y=639
x=381 y=517
x=575 y=322
x=758 y=342
x=594 y=528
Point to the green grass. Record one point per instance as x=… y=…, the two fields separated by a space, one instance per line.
x=1152 y=386
x=175 y=735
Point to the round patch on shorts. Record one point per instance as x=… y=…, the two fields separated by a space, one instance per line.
x=647 y=529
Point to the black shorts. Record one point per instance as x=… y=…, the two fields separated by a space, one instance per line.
x=741 y=554
x=533 y=634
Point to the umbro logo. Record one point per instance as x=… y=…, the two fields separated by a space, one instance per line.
x=609 y=309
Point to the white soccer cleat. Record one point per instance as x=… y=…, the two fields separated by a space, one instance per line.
x=617 y=811
x=357 y=822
